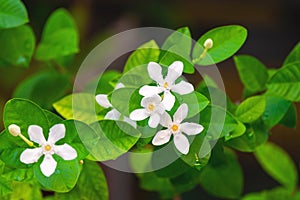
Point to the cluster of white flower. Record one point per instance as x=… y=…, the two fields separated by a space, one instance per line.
x=155 y=106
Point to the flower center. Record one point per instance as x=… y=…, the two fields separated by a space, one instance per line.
x=150 y=107
x=47 y=147
x=174 y=127
x=166 y=85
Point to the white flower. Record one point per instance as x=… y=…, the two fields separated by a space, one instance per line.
x=166 y=84
x=177 y=128
x=153 y=108
x=113 y=114
x=47 y=148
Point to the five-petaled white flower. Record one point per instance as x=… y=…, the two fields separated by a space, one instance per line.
x=166 y=84
x=47 y=148
x=153 y=108
x=177 y=128
x=114 y=114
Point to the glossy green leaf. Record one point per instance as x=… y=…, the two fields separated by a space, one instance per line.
x=78 y=106
x=125 y=99
x=5 y=186
x=12 y=13
x=136 y=78
x=217 y=122
x=255 y=135
x=60 y=37
x=251 y=109
x=294 y=55
x=285 y=82
x=223 y=179
x=148 y=52
x=19 y=174
x=43 y=88
x=290 y=117
x=274 y=194
x=112 y=139
x=227 y=40
x=91 y=184
x=253 y=73
x=276 y=109
x=283 y=170
x=196 y=102
x=19 y=45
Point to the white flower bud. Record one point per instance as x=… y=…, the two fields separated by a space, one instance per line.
x=14 y=130
x=208 y=43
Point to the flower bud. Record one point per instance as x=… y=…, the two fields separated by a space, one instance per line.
x=208 y=43
x=14 y=130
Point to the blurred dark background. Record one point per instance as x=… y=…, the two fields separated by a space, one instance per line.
x=274 y=29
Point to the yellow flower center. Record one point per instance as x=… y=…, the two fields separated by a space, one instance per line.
x=166 y=85
x=47 y=147
x=174 y=128
x=151 y=107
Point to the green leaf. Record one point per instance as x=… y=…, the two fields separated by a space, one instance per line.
x=19 y=45
x=60 y=37
x=290 y=117
x=217 y=122
x=227 y=40
x=274 y=194
x=136 y=78
x=148 y=52
x=223 y=179
x=253 y=73
x=78 y=106
x=43 y=88
x=125 y=100
x=12 y=13
x=112 y=139
x=285 y=82
x=5 y=186
x=53 y=118
x=24 y=191
x=283 y=170
x=276 y=109
x=19 y=174
x=255 y=135
x=91 y=184
x=251 y=109
x=294 y=55
x=196 y=102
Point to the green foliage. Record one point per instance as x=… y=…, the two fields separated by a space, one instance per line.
x=283 y=170
x=286 y=83
x=253 y=73
x=112 y=139
x=12 y=14
x=43 y=88
x=24 y=191
x=148 y=52
x=19 y=45
x=227 y=40
x=60 y=35
x=251 y=109
x=293 y=55
x=223 y=179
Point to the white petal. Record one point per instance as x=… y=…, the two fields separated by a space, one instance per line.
x=103 y=101
x=154 y=120
x=165 y=120
x=56 y=133
x=130 y=122
x=154 y=99
x=138 y=114
x=181 y=143
x=36 y=134
x=161 y=137
x=48 y=165
x=155 y=72
x=191 y=128
x=114 y=114
x=29 y=156
x=119 y=85
x=148 y=91
x=180 y=113
x=168 y=100
x=174 y=72
x=183 y=87
x=65 y=151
